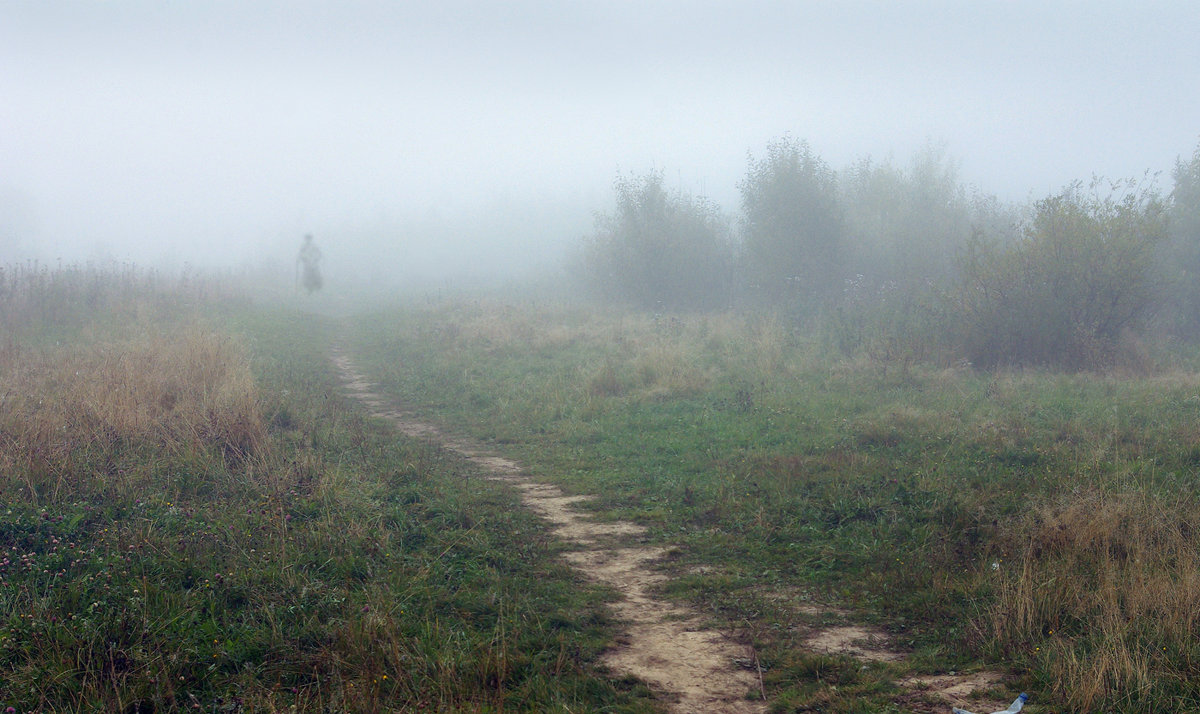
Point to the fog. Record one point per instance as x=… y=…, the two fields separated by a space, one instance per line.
x=468 y=140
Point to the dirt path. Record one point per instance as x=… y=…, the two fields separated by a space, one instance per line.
x=663 y=643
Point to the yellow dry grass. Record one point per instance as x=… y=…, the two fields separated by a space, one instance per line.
x=1119 y=570
x=85 y=406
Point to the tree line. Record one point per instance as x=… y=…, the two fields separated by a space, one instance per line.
x=909 y=263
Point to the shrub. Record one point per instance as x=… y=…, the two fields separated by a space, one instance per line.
x=793 y=226
x=906 y=226
x=1181 y=256
x=1064 y=294
x=660 y=250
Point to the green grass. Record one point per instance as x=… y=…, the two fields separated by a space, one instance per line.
x=795 y=476
x=147 y=565
x=194 y=516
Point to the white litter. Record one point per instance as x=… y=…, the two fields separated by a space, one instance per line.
x=1012 y=708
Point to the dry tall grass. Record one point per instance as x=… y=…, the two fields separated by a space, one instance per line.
x=1106 y=593
x=72 y=417
x=35 y=296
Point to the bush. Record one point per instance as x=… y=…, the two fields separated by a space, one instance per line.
x=1070 y=289
x=794 y=227
x=1181 y=256
x=906 y=226
x=660 y=250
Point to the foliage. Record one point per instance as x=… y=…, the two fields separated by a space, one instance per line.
x=794 y=227
x=74 y=416
x=660 y=250
x=1181 y=255
x=904 y=227
x=906 y=264
x=1067 y=292
x=891 y=324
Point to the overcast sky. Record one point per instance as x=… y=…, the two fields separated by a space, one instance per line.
x=215 y=131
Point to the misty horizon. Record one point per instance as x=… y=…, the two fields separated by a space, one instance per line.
x=477 y=138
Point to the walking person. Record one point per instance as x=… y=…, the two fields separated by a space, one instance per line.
x=307 y=265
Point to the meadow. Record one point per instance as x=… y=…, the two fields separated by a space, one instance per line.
x=1036 y=522
x=196 y=517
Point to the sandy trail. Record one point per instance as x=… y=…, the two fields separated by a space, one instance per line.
x=663 y=643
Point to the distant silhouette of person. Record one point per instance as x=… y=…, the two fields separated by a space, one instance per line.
x=307 y=265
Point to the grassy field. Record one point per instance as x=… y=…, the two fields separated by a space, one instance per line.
x=194 y=516
x=1044 y=524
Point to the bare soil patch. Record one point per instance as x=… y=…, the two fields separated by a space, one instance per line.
x=969 y=691
x=858 y=641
